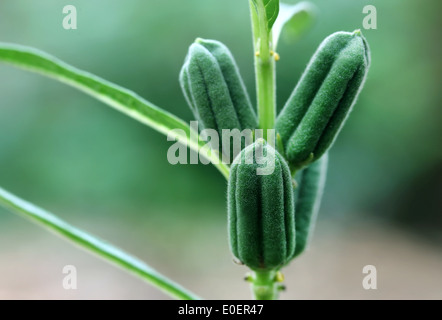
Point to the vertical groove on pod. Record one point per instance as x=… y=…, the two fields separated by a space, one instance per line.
x=337 y=120
x=248 y=199
x=235 y=84
x=323 y=98
x=259 y=213
x=233 y=223
x=263 y=236
x=215 y=92
x=273 y=214
x=297 y=105
x=290 y=212
x=260 y=225
x=284 y=210
x=327 y=100
x=216 y=126
x=238 y=214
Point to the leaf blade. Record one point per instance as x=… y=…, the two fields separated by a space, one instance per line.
x=115 y=96
x=271 y=8
x=93 y=245
x=294 y=20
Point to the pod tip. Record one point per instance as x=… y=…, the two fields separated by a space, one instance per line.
x=357 y=32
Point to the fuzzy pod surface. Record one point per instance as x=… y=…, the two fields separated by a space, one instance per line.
x=323 y=97
x=308 y=196
x=214 y=89
x=261 y=222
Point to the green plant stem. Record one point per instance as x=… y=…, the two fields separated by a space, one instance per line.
x=264 y=68
x=264 y=286
x=94 y=245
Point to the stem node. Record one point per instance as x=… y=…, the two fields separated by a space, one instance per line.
x=265 y=285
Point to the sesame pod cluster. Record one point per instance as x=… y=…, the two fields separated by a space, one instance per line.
x=261 y=208
x=308 y=195
x=269 y=221
x=214 y=89
x=323 y=98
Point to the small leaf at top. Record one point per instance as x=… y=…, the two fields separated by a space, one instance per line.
x=271 y=10
x=294 y=20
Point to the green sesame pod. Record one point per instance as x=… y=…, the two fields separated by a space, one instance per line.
x=237 y=89
x=185 y=85
x=261 y=208
x=209 y=94
x=308 y=195
x=214 y=90
x=323 y=98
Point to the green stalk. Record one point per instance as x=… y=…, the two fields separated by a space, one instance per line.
x=264 y=285
x=264 y=68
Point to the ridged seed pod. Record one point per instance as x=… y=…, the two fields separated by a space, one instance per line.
x=261 y=209
x=323 y=98
x=214 y=89
x=308 y=195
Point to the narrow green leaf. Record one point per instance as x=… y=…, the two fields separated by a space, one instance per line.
x=271 y=10
x=111 y=94
x=294 y=20
x=93 y=245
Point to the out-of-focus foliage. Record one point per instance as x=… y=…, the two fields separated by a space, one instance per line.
x=60 y=147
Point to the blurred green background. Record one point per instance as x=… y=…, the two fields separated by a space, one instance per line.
x=109 y=174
